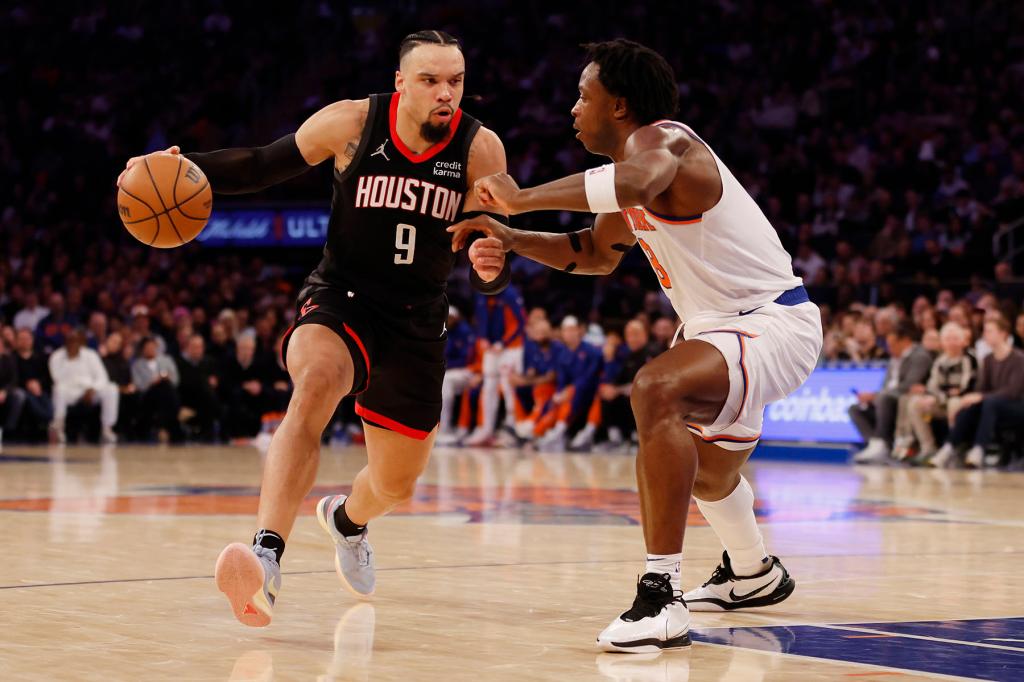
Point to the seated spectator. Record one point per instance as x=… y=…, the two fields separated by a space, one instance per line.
x=457 y=375
x=12 y=396
x=156 y=377
x=117 y=361
x=79 y=377
x=577 y=372
x=34 y=378
x=863 y=346
x=30 y=316
x=536 y=385
x=952 y=376
x=663 y=330
x=998 y=401
x=198 y=388
x=500 y=332
x=242 y=391
x=53 y=328
x=874 y=414
x=614 y=393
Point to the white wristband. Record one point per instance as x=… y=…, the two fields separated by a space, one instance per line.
x=600 y=185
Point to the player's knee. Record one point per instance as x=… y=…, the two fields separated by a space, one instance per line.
x=395 y=489
x=652 y=397
x=321 y=382
x=713 y=485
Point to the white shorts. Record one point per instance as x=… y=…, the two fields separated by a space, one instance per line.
x=770 y=353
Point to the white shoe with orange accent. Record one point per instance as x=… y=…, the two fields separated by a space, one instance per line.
x=353 y=557
x=251 y=579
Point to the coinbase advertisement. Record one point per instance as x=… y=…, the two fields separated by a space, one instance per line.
x=819 y=410
x=270 y=227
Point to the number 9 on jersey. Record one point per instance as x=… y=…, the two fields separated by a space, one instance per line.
x=405 y=243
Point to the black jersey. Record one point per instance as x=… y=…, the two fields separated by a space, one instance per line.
x=387 y=239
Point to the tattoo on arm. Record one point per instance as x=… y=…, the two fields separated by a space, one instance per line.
x=351 y=148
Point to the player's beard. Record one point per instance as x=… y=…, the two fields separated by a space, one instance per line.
x=434 y=133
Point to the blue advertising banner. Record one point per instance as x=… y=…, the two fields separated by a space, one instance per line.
x=266 y=228
x=818 y=410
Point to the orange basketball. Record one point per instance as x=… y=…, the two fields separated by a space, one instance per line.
x=164 y=200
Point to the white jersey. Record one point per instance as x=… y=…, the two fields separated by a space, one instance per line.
x=726 y=261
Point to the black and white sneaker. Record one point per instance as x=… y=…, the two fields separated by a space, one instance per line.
x=726 y=591
x=657 y=620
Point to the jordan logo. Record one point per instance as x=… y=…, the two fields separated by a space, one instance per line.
x=380 y=151
x=307 y=308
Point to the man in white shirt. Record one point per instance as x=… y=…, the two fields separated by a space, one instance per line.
x=79 y=375
x=29 y=316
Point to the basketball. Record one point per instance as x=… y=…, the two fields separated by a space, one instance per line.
x=164 y=200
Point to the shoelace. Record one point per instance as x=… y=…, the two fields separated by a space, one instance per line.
x=651 y=598
x=721 y=575
x=363 y=551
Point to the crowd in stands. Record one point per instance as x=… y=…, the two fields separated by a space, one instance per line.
x=884 y=141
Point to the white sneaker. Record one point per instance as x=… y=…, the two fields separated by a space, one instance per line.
x=250 y=577
x=353 y=557
x=975 y=457
x=448 y=439
x=725 y=591
x=57 y=434
x=480 y=437
x=524 y=429
x=942 y=458
x=876 y=452
x=657 y=620
x=584 y=440
x=108 y=437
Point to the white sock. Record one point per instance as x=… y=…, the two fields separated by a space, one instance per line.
x=732 y=519
x=666 y=563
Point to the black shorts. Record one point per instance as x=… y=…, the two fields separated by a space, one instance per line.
x=397 y=354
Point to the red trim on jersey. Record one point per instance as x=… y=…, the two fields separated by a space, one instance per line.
x=431 y=151
x=388 y=423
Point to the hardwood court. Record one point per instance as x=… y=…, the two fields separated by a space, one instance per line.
x=505 y=567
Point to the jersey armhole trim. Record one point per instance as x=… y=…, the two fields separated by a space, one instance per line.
x=364 y=141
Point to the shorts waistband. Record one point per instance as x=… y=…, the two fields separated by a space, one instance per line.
x=794 y=296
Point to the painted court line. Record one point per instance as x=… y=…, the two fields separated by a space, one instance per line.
x=881 y=668
x=926 y=638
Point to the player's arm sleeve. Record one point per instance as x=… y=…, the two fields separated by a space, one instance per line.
x=242 y=170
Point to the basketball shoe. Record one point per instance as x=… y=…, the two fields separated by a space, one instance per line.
x=726 y=591
x=657 y=620
x=353 y=557
x=251 y=579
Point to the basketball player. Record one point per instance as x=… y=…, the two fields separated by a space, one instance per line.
x=750 y=336
x=371 y=317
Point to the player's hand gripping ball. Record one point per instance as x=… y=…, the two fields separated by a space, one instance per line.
x=164 y=199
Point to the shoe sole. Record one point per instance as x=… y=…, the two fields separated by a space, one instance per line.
x=240 y=577
x=646 y=646
x=321 y=517
x=780 y=594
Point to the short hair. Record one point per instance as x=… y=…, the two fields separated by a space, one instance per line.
x=414 y=40
x=904 y=329
x=638 y=74
x=999 y=320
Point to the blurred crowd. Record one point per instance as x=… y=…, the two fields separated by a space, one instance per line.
x=883 y=140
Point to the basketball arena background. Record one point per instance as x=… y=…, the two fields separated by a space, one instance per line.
x=882 y=140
